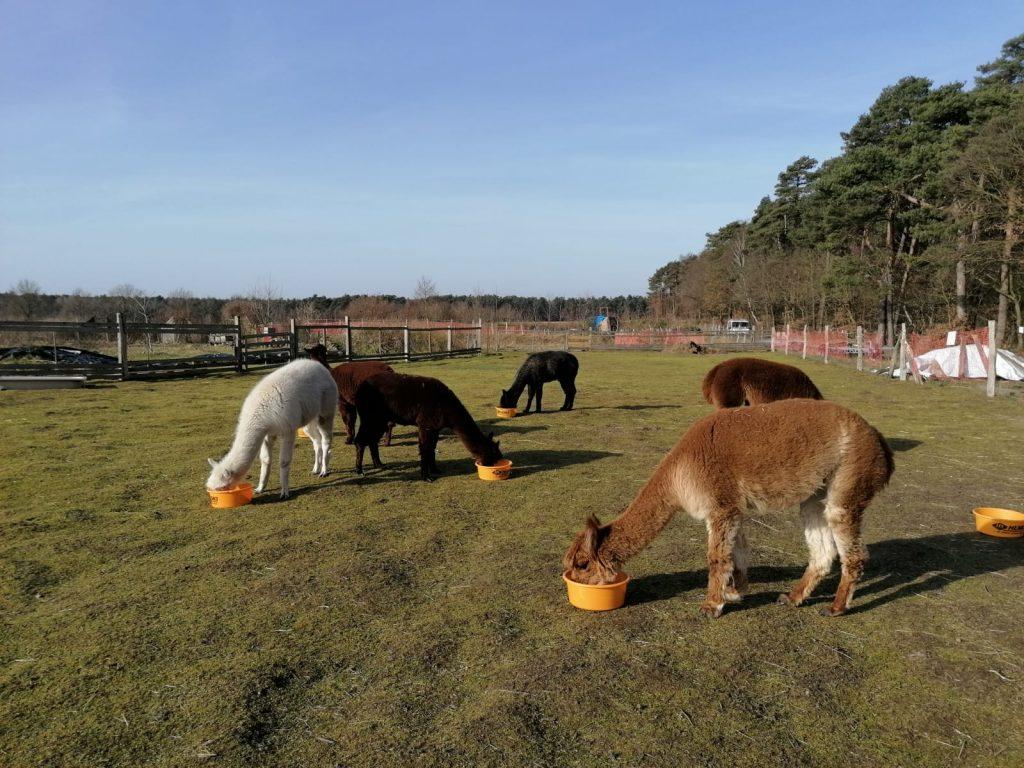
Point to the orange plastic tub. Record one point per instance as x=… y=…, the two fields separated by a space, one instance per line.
x=1004 y=523
x=597 y=597
x=506 y=413
x=301 y=432
x=231 y=497
x=499 y=471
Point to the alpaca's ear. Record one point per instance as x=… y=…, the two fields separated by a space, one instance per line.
x=213 y=463
x=589 y=543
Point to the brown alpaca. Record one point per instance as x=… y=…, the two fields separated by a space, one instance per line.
x=750 y=381
x=348 y=377
x=769 y=457
x=398 y=398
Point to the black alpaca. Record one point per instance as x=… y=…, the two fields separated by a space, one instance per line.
x=538 y=368
x=395 y=398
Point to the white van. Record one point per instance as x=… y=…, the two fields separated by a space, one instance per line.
x=738 y=326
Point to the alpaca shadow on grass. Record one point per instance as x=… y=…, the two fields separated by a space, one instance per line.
x=638 y=407
x=532 y=462
x=664 y=586
x=897 y=568
x=901 y=444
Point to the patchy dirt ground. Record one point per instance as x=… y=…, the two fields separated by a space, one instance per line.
x=390 y=622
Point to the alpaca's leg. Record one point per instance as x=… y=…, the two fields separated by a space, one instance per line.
x=348 y=417
x=425 y=454
x=539 y=393
x=569 y=387
x=360 y=448
x=529 y=397
x=313 y=432
x=287 y=446
x=723 y=528
x=853 y=555
x=265 y=461
x=434 y=434
x=822 y=548
x=740 y=562
x=326 y=427
x=387 y=435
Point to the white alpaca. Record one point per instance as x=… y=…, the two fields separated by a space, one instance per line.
x=300 y=394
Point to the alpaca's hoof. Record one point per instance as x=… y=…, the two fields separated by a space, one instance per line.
x=732 y=596
x=785 y=599
x=831 y=611
x=259 y=489
x=349 y=441
x=323 y=473
x=711 y=610
x=284 y=495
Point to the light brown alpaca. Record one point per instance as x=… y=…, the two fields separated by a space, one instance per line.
x=750 y=381
x=813 y=453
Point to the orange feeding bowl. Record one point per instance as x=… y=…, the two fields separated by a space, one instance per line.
x=235 y=496
x=301 y=432
x=597 y=597
x=505 y=413
x=1004 y=523
x=499 y=471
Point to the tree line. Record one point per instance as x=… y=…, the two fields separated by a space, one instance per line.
x=264 y=305
x=918 y=220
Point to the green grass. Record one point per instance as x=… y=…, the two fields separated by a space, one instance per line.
x=391 y=622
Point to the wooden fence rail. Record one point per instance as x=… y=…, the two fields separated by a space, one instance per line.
x=245 y=350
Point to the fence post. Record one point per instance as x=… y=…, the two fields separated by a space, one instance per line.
x=405 y=341
x=860 y=348
x=567 y=340
x=348 y=339
x=449 y=338
x=293 y=340
x=903 y=351
x=479 y=334
x=805 y=344
x=827 y=329
x=239 y=362
x=787 y=338
x=993 y=354
x=122 y=346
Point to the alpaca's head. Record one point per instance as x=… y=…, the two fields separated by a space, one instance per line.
x=220 y=476
x=507 y=401
x=491 y=453
x=318 y=353
x=584 y=562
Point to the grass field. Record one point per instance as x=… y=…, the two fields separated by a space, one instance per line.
x=389 y=622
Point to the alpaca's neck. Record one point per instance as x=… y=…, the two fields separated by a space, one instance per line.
x=243 y=450
x=516 y=390
x=466 y=429
x=648 y=513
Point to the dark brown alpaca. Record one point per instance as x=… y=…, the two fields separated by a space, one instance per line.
x=749 y=381
x=769 y=457
x=401 y=399
x=348 y=377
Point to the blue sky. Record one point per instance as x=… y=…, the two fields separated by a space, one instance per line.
x=534 y=148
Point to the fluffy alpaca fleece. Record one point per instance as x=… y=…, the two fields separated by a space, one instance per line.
x=750 y=381
x=299 y=394
x=768 y=457
x=348 y=377
x=400 y=399
x=541 y=367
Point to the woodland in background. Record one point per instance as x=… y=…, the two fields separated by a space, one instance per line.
x=264 y=306
x=919 y=220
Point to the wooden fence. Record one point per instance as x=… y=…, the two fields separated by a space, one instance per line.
x=243 y=351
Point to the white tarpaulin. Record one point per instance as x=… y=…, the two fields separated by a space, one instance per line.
x=947 y=363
